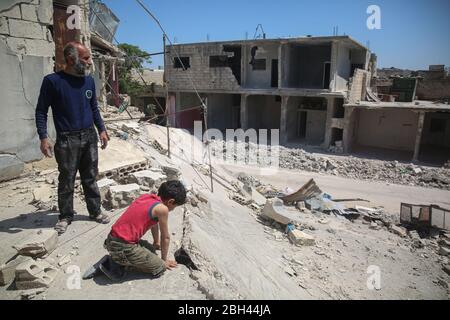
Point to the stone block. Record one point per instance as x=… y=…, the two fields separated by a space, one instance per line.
x=45 y=12
x=26 y=29
x=122 y=195
x=43 y=48
x=10 y=167
x=275 y=210
x=398 y=230
x=4 y=27
x=35 y=274
x=147 y=178
x=8 y=270
x=38 y=244
x=301 y=238
x=14 y=12
x=131 y=127
x=29 y=12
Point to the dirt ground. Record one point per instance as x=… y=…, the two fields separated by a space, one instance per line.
x=238 y=254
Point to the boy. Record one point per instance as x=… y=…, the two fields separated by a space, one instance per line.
x=149 y=211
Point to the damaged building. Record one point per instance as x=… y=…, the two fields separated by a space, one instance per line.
x=316 y=90
x=295 y=85
x=32 y=37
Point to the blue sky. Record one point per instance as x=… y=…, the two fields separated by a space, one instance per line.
x=413 y=34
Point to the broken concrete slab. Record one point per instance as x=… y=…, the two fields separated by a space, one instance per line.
x=35 y=274
x=121 y=196
x=40 y=243
x=308 y=190
x=301 y=238
x=148 y=178
x=64 y=260
x=131 y=127
x=399 y=230
x=241 y=200
x=275 y=210
x=444 y=250
x=8 y=270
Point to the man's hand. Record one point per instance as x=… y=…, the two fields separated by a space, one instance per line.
x=46 y=148
x=170 y=264
x=104 y=138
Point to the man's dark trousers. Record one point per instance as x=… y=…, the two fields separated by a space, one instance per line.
x=77 y=151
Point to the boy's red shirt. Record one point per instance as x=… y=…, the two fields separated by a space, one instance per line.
x=137 y=219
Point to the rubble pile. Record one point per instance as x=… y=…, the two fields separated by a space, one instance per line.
x=345 y=166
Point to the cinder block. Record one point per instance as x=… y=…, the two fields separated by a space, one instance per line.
x=38 y=244
x=42 y=48
x=35 y=274
x=103 y=186
x=26 y=29
x=401 y=231
x=8 y=270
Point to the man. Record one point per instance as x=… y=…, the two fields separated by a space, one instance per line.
x=71 y=94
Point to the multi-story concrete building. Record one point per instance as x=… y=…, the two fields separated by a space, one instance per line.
x=295 y=85
x=315 y=90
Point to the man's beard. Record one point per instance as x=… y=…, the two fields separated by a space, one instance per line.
x=81 y=69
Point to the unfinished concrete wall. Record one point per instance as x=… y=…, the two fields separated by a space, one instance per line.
x=436 y=129
x=223 y=111
x=197 y=62
x=263 y=112
x=343 y=67
x=26 y=52
x=304 y=65
x=390 y=129
x=257 y=78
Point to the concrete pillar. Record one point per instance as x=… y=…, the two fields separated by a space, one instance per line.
x=418 y=135
x=284 y=120
x=244 y=113
x=281 y=62
x=330 y=110
x=103 y=80
x=348 y=129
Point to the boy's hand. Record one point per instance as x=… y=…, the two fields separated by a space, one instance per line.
x=170 y=264
x=157 y=245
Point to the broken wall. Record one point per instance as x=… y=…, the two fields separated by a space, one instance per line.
x=436 y=129
x=26 y=51
x=343 y=66
x=433 y=89
x=223 y=111
x=256 y=77
x=389 y=129
x=198 y=69
x=263 y=112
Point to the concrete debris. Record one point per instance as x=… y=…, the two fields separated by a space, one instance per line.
x=399 y=230
x=446 y=268
x=300 y=205
x=250 y=180
x=43 y=194
x=444 y=250
x=31 y=294
x=103 y=186
x=64 y=260
x=39 y=244
x=172 y=173
x=149 y=178
x=35 y=274
x=131 y=127
x=275 y=210
x=307 y=191
x=121 y=196
x=8 y=270
x=241 y=200
x=201 y=196
x=300 y=238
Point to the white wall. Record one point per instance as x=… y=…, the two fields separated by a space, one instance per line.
x=260 y=78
